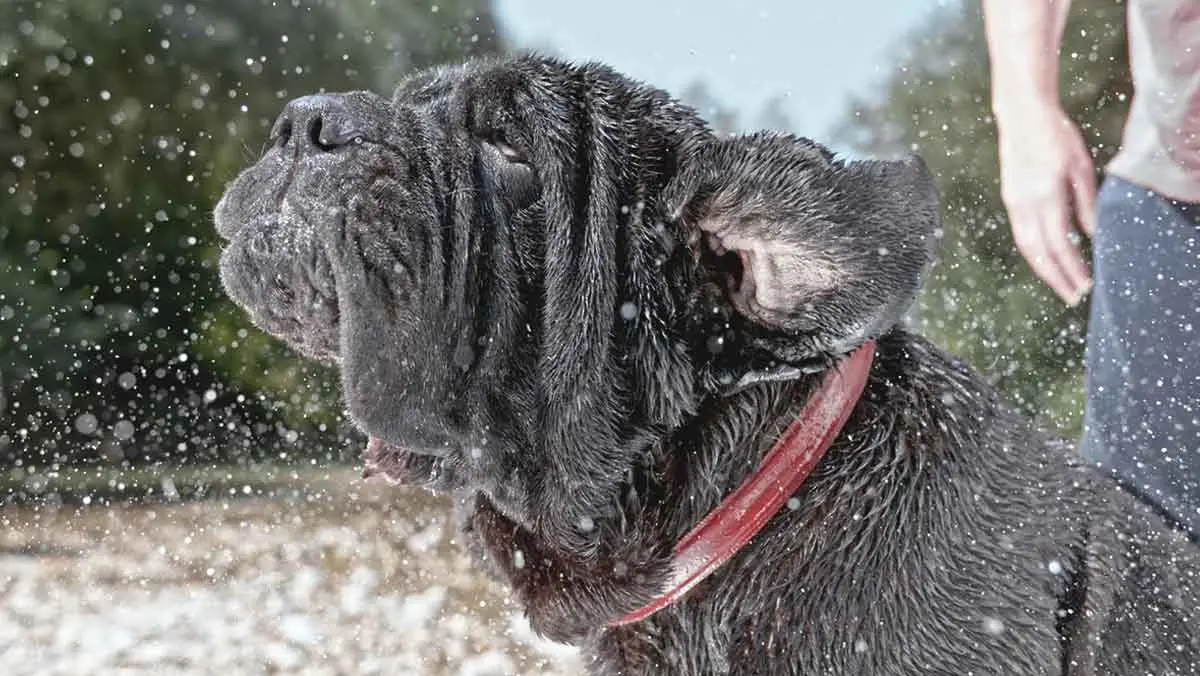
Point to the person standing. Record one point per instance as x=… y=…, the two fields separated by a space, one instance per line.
x=1142 y=420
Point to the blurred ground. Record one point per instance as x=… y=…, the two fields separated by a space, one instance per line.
x=338 y=577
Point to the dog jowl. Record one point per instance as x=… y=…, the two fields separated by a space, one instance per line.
x=554 y=293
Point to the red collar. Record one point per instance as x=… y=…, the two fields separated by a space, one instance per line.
x=726 y=529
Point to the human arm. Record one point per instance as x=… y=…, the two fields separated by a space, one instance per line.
x=1047 y=176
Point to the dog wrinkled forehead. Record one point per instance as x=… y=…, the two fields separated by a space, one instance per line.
x=428 y=85
x=538 y=100
x=470 y=85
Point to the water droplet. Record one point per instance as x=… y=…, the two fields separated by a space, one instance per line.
x=86 y=423
x=123 y=430
x=993 y=626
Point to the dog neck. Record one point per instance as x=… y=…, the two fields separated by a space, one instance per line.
x=726 y=529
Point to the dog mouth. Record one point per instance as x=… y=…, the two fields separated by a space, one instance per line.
x=447 y=473
x=437 y=469
x=383 y=460
x=401 y=466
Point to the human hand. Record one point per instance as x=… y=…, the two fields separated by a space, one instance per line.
x=1048 y=185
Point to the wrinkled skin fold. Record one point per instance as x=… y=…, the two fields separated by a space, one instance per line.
x=555 y=294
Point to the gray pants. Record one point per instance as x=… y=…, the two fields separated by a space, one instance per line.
x=1143 y=349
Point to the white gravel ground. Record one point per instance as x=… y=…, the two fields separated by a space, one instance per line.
x=365 y=580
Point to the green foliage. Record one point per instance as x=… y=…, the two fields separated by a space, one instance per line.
x=120 y=124
x=982 y=302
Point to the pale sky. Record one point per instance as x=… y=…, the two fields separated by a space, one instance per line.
x=815 y=52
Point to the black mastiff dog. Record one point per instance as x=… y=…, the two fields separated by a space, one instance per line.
x=663 y=375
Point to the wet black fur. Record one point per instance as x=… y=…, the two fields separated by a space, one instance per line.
x=555 y=294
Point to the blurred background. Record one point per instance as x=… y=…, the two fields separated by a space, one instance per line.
x=141 y=414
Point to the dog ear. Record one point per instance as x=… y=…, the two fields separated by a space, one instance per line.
x=817 y=255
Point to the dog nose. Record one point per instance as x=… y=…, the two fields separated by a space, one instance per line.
x=314 y=124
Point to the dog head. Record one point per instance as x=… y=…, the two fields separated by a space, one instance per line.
x=530 y=272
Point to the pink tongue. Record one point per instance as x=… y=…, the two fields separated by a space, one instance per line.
x=375 y=457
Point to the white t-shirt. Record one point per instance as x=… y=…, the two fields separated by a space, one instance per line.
x=1160 y=147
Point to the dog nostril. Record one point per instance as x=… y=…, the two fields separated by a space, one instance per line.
x=318 y=123
x=314 y=134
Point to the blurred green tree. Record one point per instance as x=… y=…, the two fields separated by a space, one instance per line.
x=981 y=301
x=120 y=123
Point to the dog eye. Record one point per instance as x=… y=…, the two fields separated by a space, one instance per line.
x=507 y=151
